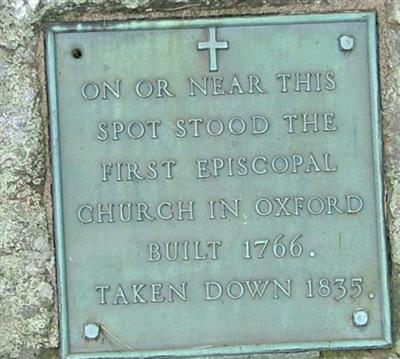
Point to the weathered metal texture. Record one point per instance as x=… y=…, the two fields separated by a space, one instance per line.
x=346 y=246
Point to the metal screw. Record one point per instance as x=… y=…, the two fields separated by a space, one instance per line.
x=91 y=331
x=360 y=318
x=346 y=42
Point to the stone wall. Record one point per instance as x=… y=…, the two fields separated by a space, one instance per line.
x=28 y=303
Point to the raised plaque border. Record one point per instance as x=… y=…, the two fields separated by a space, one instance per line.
x=370 y=19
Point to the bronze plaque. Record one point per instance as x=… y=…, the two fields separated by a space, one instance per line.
x=217 y=186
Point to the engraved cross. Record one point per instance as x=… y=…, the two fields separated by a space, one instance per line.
x=212 y=45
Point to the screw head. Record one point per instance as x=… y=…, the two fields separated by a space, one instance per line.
x=91 y=331
x=346 y=42
x=360 y=318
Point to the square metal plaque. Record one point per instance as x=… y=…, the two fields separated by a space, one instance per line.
x=218 y=186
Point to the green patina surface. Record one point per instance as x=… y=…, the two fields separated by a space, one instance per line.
x=309 y=43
